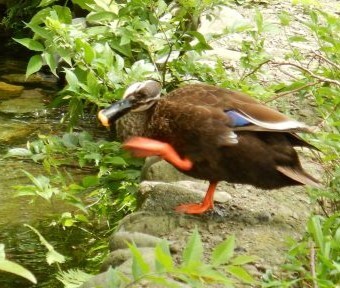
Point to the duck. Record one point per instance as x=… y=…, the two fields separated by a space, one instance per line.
x=211 y=133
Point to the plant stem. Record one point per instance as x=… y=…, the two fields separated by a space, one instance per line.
x=321 y=78
x=292 y=91
x=312 y=264
x=254 y=70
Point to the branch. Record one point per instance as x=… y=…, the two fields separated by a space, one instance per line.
x=321 y=78
x=256 y=69
x=278 y=95
x=326 y=60
x=312 y=264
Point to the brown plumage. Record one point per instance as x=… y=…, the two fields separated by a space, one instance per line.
x=225 y=135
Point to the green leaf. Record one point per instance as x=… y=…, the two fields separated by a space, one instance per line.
x=40 y=181
x=297 y=39
x=75 y=278
x=115 y=160
x=30 y=44
x=14 y=268
x=85 y=48
x=18 y=152
x=40 y=31
x=315 y=229
x=193 y=252
x=93 y=84
x=259 y=21
x=124 y=50
x=34 y=65
x=285 y=18
x=40 y=16
x=93 y=156
x=69 y=222
x=139 y=266
x=223 y=252
x=243 y=259
x=81 y=218
x=44 y=3
x=163 y=259
x=102 y=16
x=52 y=256
x=97 y=30
x=84 y=4
x=89 y=181
x=70 y=140
x=212 y=275
x=240 y=273
x=64 y=14
x=203 y=44
x=72 y=80
x=50 y=60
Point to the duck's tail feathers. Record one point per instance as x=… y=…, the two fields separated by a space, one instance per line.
x=299 y=176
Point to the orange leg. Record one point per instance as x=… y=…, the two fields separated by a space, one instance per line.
x=207 y=203
x=144 y=147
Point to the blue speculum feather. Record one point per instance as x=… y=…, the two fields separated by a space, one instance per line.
x=237 y=119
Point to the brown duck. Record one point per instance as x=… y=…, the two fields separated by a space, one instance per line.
x=211 y=133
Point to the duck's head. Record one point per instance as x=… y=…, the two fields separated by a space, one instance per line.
x=138 y=97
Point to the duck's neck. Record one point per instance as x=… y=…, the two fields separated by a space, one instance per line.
x=133 y=124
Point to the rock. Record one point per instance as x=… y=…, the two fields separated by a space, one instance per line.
x=148 y=257
x=120 y=256
x=223 y=53
x=155 y=169
x=15 y=131
x=102 y=280
x=10 y=65
x=160 y=196
x=156 y=224
x=106 y=280
x=121 y=239
x=30 y=101
x=9 y=91
x=37 y=79
x=216 y=20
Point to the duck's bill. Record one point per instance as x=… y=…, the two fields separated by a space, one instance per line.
x=111 y=114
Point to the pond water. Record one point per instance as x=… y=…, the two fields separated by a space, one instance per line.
x=23 y=116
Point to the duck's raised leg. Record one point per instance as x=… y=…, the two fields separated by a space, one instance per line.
x=144 y=147
x=207 y=203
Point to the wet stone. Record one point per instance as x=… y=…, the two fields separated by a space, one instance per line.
x=29 y=102
x=9 y=91
x=37 y=79
x=14 y=131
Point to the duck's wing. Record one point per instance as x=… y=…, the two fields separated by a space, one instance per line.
x=241 y=112
x=245 y=113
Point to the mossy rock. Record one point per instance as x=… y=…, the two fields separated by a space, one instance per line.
x=8 y=91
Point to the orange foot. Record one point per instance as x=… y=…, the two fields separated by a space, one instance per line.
x=198 y=208
x=207 y=203
x=144 y=147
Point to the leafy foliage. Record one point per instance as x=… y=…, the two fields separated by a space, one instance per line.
x=52 y=256
x=314 y=261
x=116 y=44
x=73 y=278
x=106 y=169
x=192 y=270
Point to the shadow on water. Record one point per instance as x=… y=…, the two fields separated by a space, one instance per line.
x=23 y=116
